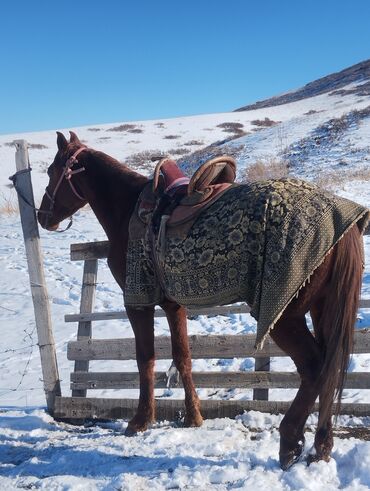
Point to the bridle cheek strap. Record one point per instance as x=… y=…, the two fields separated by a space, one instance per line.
x=67 y=173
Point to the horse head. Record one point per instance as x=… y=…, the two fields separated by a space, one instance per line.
x=63 y=195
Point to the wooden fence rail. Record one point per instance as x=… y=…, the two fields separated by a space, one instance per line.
x=202 y=347
x=86 y=349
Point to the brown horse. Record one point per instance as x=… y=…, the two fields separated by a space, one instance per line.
x=331 y=297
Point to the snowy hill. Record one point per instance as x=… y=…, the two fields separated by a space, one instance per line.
x=322 y=127
x=358 y=75
x=320 y=132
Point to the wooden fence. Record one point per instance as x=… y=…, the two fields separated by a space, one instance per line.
x=79 y=406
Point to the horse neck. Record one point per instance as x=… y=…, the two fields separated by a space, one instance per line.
x=112 y=190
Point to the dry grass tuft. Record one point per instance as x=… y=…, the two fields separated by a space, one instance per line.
x=264 y=170
x=8 y=204
x=144 y=160
x=332 y=180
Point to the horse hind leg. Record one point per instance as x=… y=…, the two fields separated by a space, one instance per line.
x=324 y=442
x=176 y=317
x=294 y=338
x=334 y=319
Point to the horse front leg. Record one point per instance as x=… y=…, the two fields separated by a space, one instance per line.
x=176 y=317
x=142 y=322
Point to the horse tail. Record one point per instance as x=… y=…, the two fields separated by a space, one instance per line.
x=337 y=321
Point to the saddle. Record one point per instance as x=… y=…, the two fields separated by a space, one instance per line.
x=174 y=198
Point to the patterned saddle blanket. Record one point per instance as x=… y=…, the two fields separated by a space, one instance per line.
x=258 y=243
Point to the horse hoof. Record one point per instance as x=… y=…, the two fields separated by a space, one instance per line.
x=134 y=428
x=312 y=458
x=193 y=422
x=130 y=431
x=288 y=459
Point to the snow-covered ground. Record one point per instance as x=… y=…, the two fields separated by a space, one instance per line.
x=36 y=452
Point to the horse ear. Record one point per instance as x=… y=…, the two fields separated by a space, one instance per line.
x=74 y=138
x=61 y=141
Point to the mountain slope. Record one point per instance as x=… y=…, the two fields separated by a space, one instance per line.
x=358 y=74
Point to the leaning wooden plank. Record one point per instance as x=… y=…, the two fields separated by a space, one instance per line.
x=121 y=314
x=239 y=346
x=242 y=380
x=203 y=347
x=170 y=409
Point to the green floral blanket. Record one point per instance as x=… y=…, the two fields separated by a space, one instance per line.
x=258 y=243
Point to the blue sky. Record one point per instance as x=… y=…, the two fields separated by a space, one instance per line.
x=65 y=64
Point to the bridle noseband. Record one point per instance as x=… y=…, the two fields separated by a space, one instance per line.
x=67 y=173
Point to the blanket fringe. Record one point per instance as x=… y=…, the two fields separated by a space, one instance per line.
x=260 y=344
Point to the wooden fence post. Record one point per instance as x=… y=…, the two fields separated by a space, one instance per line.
x=39 y=293
x=87 y=305
x=261 y=365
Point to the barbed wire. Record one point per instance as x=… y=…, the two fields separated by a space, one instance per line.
x=28 y=335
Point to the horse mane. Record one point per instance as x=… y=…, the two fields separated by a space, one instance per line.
x=117 y=169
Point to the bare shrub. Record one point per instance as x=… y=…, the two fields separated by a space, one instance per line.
x=236 y=129
x=264 y=122
x=135 y=130
x=179 y=151
x=231 y=127
x=171 y=137
x=35 y=146
x=159 y=124
x=264 y=170
x=8 y=204
x=93 y=129
x=104 y=138
x=331 y=180
x=145 y=159
x=311 y=111
x=123 y=127
x=191 y=143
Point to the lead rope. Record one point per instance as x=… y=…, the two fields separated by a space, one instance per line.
x=67 y=173
x=13 y=178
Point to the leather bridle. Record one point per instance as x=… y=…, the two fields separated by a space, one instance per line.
x=67 y=174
